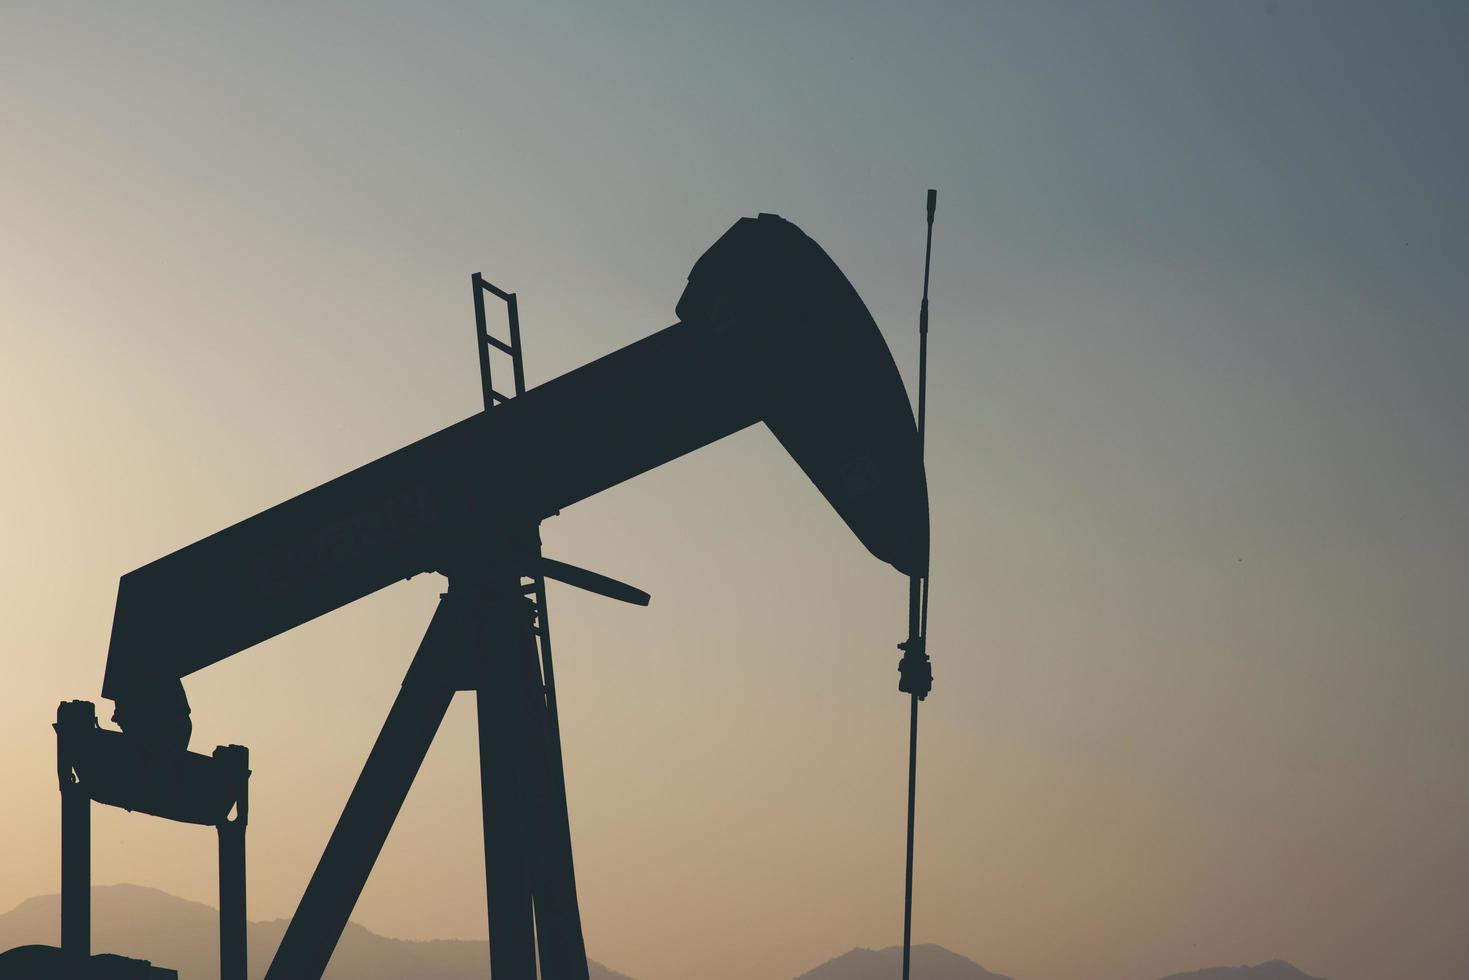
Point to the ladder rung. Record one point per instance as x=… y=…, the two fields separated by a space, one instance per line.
x=486 y=284
x=499 y=344
x=496 y=396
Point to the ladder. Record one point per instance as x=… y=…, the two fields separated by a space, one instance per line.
x=568 y=951
x=488 y=341
x=533 y=585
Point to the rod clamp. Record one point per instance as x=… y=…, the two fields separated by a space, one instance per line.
x=915 y=670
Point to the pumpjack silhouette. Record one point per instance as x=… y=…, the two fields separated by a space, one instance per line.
x=769 y=330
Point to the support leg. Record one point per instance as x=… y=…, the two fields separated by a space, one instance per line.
x=358 y=838
x=233 y=963
x=74 y=722
x=508 y=784
x=76 y=872
x=233 y=950
x=558 y=917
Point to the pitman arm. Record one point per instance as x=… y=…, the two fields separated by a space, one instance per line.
x=769 y=330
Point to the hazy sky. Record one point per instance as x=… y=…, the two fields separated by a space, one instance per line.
x=1198 y=456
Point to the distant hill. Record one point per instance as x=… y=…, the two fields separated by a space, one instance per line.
x=150 y=924
x=932 y=962
x=1273 y=970
x=928 y=962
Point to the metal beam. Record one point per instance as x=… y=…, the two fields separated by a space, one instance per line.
x=358 y=839
x=233 y=945
x=75 y=721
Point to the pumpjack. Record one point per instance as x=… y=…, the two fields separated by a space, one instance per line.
x=769 y=330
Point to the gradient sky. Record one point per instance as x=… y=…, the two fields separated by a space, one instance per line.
x=1198 y=456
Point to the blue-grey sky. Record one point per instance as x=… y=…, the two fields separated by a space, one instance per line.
x=1197 y=455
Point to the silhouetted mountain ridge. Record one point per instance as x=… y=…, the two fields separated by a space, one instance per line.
x=183 y=935
x=1273 y=970
x=150 y=924
x=929 y=962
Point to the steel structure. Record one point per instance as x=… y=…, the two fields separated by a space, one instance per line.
x=769 y=330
